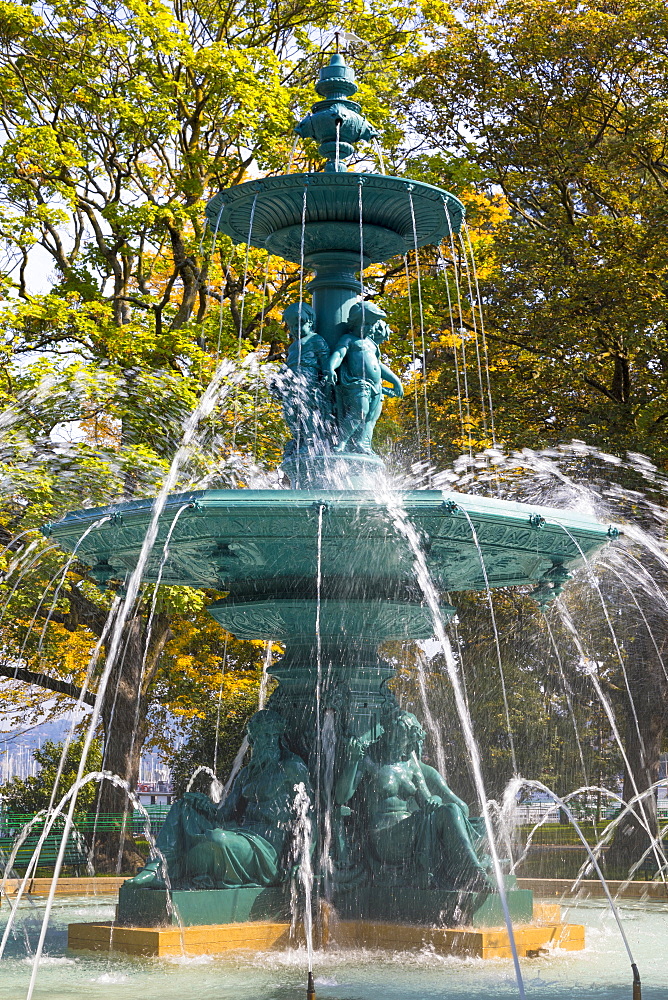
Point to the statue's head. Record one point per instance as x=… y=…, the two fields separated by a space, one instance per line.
x=402 y=734
x=265 y=730
x=380 y=332
x=363 y=317
x=299 y=319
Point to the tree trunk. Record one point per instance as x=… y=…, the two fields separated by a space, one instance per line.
x=643 y=746
x=125 y=730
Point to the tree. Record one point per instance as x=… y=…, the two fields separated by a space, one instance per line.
x=31 y=794
x=213 y=740
x=558 y=108
x=559 y=105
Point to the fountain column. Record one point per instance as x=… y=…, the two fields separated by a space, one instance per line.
x=335 y=288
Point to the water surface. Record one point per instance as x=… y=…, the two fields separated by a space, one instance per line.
x=600 y=972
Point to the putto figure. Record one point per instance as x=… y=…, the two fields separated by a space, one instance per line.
x=307 y=396
x=357 y=366
x=245 y=841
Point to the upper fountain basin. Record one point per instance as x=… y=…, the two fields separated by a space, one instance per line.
x=255 y=542
x=331 y=216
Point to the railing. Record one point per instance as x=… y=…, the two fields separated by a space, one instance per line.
x=11 y=824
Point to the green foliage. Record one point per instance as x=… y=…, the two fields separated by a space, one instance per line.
x=560 y=106
x=29 y=795
x=213 y=740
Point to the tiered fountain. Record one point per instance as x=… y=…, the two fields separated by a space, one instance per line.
x=332 y=567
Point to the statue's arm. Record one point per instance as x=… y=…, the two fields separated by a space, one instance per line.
x=351 y=773
x=389 y=376
x=337 y=356
x=438 y=786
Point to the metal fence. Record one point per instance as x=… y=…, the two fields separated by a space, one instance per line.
x=11 y=824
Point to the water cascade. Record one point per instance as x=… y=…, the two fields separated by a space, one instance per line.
x=331 y=568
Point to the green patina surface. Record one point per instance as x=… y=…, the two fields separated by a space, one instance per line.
x=260 y=542
x=158 y=907
x=402 y=845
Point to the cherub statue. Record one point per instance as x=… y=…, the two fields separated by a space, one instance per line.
x=356 y=364
x=307 y=402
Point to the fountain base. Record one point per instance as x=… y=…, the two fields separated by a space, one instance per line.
x=489 y=942
x=153 y=907
x=145 y=906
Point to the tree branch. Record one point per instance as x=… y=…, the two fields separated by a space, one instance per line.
x=50 y=683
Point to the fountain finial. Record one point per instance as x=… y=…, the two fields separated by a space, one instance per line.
x=336 y=122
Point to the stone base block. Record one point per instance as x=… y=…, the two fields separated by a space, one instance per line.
x=531 y=940
x=490 y=942
x=207 y=939
x=141 y=906
x=433 y=906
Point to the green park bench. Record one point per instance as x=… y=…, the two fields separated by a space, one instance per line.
x=76 y=853
x=75 y=857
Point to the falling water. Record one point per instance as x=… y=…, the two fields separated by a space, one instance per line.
x=490 y=603
x=455 y=353
x=329 y=756
x=236 y=767
x=318 y=684
x=462 y=330
x=263 y=315
x=51 y=816
x=264 y=680
x=413 y=355
x=220 y=698
x=607 y=707
x=379 y=154
x=302 y=239
x=567 y=693
x=211 y=396
x=216 y=789
x=482 y=332
x=403 y=525
x=21 y=552
x=303 y=841
x=422 y=331
x=594 y=580
x=434 y=729
x=563 y=805
x=338 y=142
x=360 y=206
x=474 y=321
x=64 y=572
x=611 y=569
x=242 y=307
x=140 y=683
x=292 y=153
x=26 y=569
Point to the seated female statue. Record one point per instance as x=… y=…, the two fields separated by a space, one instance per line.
x=243 y=841
x=417 y=830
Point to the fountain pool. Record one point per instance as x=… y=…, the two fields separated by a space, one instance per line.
x=600 y=971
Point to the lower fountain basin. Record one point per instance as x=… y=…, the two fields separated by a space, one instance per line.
x=351 y=973
x=263 y=544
